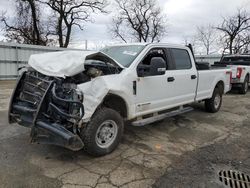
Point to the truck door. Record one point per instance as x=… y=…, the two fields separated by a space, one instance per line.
x=151 y=92
x=185 y=77
x=176 y=87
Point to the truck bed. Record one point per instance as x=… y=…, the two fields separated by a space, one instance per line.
x=225 y=63
x=200 y=66
x=207 y=81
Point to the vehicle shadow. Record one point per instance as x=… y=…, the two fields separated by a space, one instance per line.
x=235 y=91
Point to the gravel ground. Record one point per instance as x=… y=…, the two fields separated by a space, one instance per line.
x=184 y=151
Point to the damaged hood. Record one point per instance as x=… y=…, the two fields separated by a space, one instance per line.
x=66 y=63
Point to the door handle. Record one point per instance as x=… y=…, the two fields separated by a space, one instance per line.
x=193 y=77
x=171 y=79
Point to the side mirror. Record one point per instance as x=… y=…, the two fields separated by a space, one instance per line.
x=157 y=66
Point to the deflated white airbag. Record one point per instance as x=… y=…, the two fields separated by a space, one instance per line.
x=59 y=64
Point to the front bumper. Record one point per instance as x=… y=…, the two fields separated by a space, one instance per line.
x=55 y=134
x=35 y=104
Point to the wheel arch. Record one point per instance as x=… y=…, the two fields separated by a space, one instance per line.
x=116 y=103
x=221 y=86
x=247 y=75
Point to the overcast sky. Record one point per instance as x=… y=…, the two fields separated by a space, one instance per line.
x=183 y=17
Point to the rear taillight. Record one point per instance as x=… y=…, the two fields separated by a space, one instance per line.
x=239 y=72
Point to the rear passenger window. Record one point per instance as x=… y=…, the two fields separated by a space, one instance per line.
x=181 y=59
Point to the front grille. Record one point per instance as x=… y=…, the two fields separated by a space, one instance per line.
x=50 y=107
x=39 y=97
x=27 y=97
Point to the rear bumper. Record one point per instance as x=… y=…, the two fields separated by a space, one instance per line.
x=236 y=85
x=236 y=81
x=35 y=104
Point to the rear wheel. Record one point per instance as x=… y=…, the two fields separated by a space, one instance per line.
x=244 y=88
x=213 y=105
x=103 y=133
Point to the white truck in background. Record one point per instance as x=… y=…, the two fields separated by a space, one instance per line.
x=82 y=99
x=240 y=66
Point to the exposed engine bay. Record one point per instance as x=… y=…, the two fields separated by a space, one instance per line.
x=93 y=69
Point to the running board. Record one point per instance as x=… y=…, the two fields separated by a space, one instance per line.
x=159 y=117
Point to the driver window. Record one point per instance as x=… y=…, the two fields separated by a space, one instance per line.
x=157 y=52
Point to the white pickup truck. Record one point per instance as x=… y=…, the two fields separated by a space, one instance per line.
x=82 y=99
x=240 y=66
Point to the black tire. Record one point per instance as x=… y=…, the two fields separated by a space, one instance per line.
x=212 y=105
x=244 y=88
x=89 y=133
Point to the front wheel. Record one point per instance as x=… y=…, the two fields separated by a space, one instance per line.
x=213 y=105
x=103 y=133
x=243 y=89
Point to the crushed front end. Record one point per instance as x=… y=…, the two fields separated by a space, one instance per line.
x=51 y=107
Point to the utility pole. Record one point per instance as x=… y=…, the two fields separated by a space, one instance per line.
x=86 y=44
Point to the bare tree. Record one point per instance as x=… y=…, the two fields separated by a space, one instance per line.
x=138 y=20
x=26 y=27
x=242 y=43
x=206 y=35
x=72 y=13
x=236 y=31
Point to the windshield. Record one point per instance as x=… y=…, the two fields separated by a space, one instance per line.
x=124 y=55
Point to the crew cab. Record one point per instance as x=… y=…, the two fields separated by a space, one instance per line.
x=240 y=65
x=80 y=100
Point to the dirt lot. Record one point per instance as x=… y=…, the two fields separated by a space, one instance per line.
x=185 y=151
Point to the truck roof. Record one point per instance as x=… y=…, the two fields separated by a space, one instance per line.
x=150 y=44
